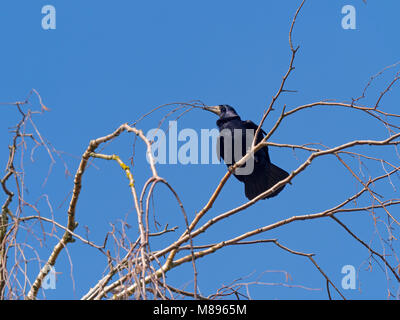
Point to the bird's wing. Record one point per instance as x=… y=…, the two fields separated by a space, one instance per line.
x=251 y=125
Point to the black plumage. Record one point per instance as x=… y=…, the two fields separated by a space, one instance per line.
x=233 y=133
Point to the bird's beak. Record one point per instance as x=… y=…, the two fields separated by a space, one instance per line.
x=213 y=109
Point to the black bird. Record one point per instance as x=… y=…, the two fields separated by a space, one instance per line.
x=264 y=174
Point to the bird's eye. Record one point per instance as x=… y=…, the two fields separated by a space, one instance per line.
x=222 y=109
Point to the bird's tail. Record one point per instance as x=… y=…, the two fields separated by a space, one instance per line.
x=264 y=180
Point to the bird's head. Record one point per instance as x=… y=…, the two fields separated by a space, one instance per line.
x=224 y=111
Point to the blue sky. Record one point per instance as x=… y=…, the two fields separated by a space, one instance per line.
x=109 y=62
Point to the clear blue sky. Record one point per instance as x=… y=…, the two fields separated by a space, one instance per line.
x=109 y=62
